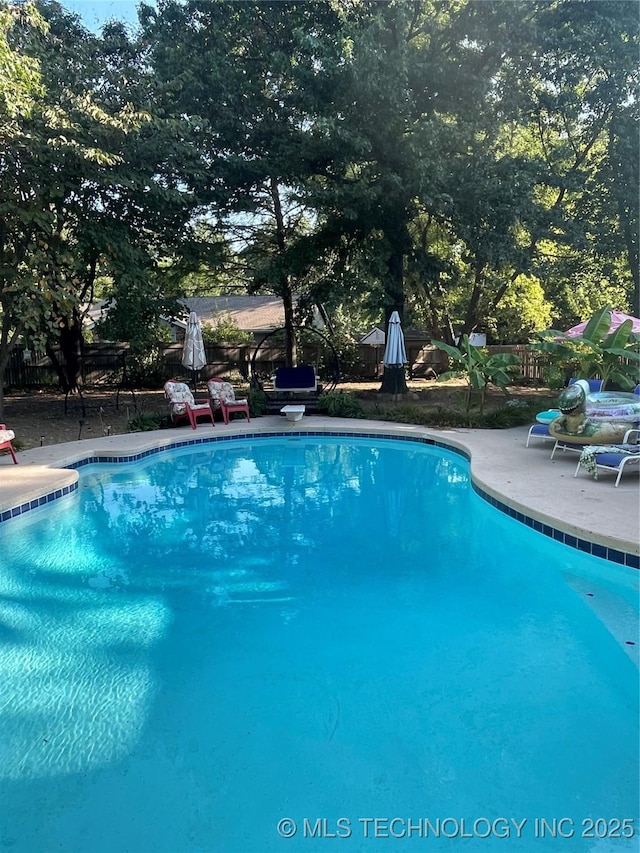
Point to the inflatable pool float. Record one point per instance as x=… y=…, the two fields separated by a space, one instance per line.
x=548 y=416
x=600 y=418
x=613 y=406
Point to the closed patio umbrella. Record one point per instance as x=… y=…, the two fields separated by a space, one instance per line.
x=193 y=355
x=395 y=356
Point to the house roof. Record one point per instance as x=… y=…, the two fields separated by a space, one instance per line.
x=255 y=314
x=250 y=313
x=94 y=313
x=375 y=337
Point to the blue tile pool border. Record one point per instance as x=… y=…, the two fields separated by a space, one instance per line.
x=55 y=495
x=596 y=549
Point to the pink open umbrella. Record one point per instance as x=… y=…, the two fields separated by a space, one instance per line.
x=617 y=319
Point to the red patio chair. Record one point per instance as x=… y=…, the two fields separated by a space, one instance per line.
x=223 y=397
x=6 y=436
x=183 y=405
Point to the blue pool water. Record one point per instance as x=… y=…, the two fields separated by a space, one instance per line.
x=201 y=647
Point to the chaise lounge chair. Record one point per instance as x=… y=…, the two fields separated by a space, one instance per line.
x=6 y=437
x=577 y=447
x=223 y=397
x=616 y=457
x=183 y=406
x=541 y=430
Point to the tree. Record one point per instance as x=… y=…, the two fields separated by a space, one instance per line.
x=416 y=105
x=445 y=147
x=425 y=153
x=20 y=81
x=623 y=177
x=571 y=101
x=33 y=282
x=91 y=182
x=257 y=145
x=521 y=313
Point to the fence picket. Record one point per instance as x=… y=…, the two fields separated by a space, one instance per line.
x=103 y=363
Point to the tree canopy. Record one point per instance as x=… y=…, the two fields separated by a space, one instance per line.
x=443 y=159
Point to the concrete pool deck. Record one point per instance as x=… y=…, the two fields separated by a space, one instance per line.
x=524 y=480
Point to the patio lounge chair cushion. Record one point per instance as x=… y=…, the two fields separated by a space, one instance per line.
x=6 y=437
x=297 y=379
x=223 y=397
x=595 y=385
x=183 y=404
x=540 y=431
x=606 y=455
x=610 y=457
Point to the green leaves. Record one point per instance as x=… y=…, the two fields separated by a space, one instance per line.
x=20 y=78
x=342 y=151
x=478 y=368
x=93 y=183
x=614 y=357
x=598 y=326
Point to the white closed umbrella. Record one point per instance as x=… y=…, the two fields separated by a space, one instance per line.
x=193 y=355
x=394 y=351
x=395 y=356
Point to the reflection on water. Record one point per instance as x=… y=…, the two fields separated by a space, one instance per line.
x=90 y=588
x=339 y=627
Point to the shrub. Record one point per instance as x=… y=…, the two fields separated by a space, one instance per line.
x=340 y=404
x=554 y=377
x=146 y=368
x=514 y=413
x=408 y=414
x=257 y=402
x=145 y=423
x=479 y=368
x=225 y=331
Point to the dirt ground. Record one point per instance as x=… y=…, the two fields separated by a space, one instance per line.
x=39 y=417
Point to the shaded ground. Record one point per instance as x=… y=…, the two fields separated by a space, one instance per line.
x=38 y=417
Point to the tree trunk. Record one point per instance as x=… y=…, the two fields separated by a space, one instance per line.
x=8 y=342
x=291 y=353
x=3 y=367
x=471 y=318
x=59 y=368
x=393 y=378
x=284 y=285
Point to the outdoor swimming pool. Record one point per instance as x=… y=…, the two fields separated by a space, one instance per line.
x=217 y=648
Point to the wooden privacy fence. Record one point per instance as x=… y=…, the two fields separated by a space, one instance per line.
x=104 y=364
x=101 y=364
x=533 y=362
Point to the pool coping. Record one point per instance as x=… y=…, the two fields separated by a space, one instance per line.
x=503 y=472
